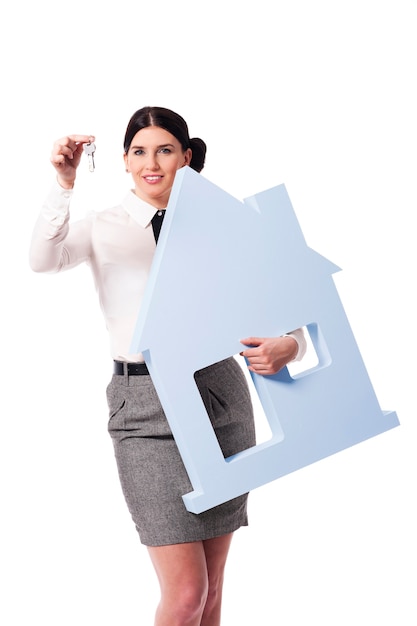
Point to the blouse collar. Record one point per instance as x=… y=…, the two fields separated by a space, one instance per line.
x=139 y=210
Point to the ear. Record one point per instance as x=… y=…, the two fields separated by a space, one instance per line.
x=187 y=156
x=126 y=161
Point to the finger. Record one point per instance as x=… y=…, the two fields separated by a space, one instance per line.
x=81 y=138
x=252 y=341
x=62 y=151
x=72 y=143
x=262 y=371
x=57 y=160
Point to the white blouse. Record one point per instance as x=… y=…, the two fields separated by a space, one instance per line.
x=118 y=244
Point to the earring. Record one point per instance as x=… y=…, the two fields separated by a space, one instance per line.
x=127 y=171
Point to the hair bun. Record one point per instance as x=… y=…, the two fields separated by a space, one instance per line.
x=198 y=148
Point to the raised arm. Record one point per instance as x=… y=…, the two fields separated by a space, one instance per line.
x=54 y=246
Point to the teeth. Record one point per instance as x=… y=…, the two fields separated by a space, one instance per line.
x=152 y=177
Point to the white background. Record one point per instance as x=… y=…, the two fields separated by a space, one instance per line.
x=318 y=95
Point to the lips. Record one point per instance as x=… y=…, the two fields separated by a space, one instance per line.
x=152 y=179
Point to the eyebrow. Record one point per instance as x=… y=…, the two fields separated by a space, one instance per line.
x=164 y=145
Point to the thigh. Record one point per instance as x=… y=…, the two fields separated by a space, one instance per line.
x=216 y=551
x=194 y=563
x=180 y=566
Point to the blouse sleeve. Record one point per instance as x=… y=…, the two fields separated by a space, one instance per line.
x=56 y=245
x=299 y=336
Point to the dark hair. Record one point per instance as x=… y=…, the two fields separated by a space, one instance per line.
x=171 y=122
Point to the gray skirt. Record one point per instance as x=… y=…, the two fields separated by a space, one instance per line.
x=151 y=471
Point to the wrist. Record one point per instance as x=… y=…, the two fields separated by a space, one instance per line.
x=293 y=347
x=65 y=184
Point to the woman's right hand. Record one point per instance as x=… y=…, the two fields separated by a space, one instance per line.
x=65 y=157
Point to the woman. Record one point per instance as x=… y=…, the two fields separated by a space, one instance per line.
x=188 y=551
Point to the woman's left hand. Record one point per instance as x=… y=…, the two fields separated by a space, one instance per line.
x=268 y=355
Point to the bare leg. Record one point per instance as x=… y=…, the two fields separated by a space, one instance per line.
x=216 y=554
x=190 y=577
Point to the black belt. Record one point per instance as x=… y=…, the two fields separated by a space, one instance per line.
x=131 y=369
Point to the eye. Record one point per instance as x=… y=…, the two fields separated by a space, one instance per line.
x=165 y=150
x=138 y=152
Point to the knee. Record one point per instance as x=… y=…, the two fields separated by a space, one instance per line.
x=190 y=602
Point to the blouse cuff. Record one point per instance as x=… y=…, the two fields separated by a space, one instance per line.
x=299 y=337
x=55 y=209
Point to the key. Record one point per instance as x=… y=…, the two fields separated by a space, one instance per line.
x=89 y=149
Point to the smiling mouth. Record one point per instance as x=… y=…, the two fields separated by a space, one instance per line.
x=152 y=179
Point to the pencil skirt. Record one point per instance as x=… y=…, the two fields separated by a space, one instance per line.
x=152 y=475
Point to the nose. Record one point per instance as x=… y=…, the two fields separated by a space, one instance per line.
x=152 y=162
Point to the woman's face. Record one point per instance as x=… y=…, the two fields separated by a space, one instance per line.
x=153 y=159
